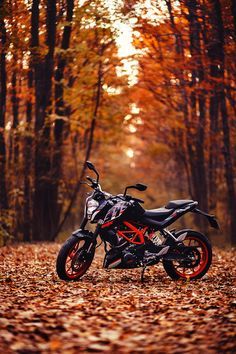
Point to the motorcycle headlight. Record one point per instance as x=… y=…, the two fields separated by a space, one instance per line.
x=92 y=205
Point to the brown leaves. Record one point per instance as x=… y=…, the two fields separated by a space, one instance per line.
x=111 y=310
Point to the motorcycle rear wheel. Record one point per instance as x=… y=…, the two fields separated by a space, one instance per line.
x=200 y=262
x=73 y=260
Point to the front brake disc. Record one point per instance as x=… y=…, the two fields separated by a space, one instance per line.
x=78 y=259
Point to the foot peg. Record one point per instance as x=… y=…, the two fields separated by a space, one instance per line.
x=151 y=257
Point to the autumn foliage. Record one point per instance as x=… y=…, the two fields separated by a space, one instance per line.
x=111 y=311
x=147 y=91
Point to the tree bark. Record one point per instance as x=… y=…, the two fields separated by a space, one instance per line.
x=193 y=148
x=197 y=99
x=61 y=111
x=213 y=151
x=215 y=74
x=229 y=173
x=233 y=9
x=3 y=93
x=182 y=146
x=15 y=113
x=28 y=142
x=42 y=208
x=14 y=152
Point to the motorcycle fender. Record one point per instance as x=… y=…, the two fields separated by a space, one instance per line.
x=210 y=218
x=83 y=234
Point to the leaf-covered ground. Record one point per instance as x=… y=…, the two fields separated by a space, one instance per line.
x=111 y=310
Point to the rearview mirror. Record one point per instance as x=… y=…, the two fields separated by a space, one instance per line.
x=140 y=187
x=90 y=165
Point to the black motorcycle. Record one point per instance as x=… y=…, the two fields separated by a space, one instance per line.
x=134 y=237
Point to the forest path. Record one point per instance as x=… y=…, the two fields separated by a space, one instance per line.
x=112 y=311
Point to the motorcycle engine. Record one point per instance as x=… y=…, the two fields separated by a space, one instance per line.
x=136 y=256
x=130 y=257
x=133 y=256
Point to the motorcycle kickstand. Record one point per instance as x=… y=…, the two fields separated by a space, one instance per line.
x=142 y=273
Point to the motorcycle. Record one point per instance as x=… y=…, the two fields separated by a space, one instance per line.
x=134 y=237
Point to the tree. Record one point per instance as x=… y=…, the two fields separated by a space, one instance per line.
x=61 y=114
x=3 y=95
x=220 y=58
x=32 y=70
x=192 y=74
x=43 y=223
x=94 y=67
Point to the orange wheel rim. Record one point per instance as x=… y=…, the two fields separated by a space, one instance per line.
x=81 y=266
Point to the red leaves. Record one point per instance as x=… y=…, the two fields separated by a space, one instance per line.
x=110 y=310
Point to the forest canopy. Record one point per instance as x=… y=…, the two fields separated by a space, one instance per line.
x=144 y=89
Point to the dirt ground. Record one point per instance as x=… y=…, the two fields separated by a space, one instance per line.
x=111 y=311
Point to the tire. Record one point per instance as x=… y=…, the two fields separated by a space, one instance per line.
x=204 y=259
x=73 y=261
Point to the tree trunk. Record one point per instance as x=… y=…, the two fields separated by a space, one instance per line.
x=61 y=111
x=215 y=74
x=193 y=150
x=15 y=113
x=229 y=173
x=34 y=43
x=197 y=99
x=15 y=152
x=213 y=151
x=233 y=9
x=182 y=147
x=3 y=93
x=42 y=209
x=27 y=217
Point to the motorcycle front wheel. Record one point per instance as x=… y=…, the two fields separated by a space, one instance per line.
x=198 y=251
x=74 y=258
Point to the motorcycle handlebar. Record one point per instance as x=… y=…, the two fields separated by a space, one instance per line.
x=90 y=179
x=95 y=185
x=129 y=197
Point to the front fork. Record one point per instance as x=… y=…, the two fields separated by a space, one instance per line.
x=82 y=233
x=83 y=223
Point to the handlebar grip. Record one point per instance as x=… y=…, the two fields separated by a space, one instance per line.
x=90 y=179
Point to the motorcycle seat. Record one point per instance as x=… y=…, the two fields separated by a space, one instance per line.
x=159 y=214
x=175 y=204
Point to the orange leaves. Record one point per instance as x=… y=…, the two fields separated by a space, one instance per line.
x=112 y=311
